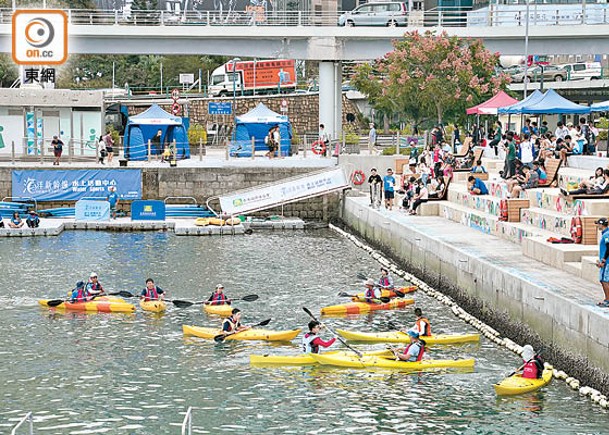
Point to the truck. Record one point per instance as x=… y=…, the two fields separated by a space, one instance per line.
x=259 y=76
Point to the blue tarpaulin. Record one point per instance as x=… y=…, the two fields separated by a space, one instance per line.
x=517 y=108
x=553 y=103
x=256 y=123
x=140 y=128
x=603 y=106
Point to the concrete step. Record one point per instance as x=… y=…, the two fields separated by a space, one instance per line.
x=556 y=222
x=573 y=267
x=550 y=199
x=570 y=178
x=555 y=255
x=589 y=271
x=459 y=194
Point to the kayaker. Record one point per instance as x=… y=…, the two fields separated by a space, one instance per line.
x=232 y=324
x=152 y=292
x=386 y=281
x=311 y=341
x=533 y=364
x=371 y=294
x=413 y=352
x=79 y=294
x=218 y=297
x=94 y=287
x=422 y=326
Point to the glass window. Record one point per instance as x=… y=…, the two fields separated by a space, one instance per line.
x=216 y=80
x=380 y=8
x=579 y=67
x=395 y=7
x=364 y=10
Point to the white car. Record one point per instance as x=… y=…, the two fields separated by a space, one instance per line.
x=583 y=70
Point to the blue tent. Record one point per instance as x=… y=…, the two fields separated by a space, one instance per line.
x=256 y=123
x=603 y=106
x=551 y=102
x=140 y=128
x=517 y=108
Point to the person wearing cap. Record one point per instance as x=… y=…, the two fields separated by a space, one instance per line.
x=16 y=221
x=371 y=294
x=32 y=220
x=532 y=367
x=311 y=341
x=113 y=199
x=386 y=281
x=79 y=294
x=601 y=263
x=232 y=323
x=94 y=287
x=414 y=351
x=375 y=181
x=152 y=292
x=218 y=297
x=422 y=325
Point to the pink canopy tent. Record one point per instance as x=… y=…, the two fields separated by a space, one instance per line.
x=490 y=107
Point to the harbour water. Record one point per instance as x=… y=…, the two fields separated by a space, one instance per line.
x=137 y=374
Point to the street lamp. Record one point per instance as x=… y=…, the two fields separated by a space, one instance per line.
x=526 y=50
x=234 y=62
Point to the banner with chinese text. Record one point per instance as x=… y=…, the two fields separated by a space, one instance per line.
x=72 y=185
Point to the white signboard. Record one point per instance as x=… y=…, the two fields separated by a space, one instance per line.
x=187 y=79
x=539 y=15
x=265 y=197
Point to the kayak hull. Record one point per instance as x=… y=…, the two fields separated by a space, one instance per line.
x=250 y=334
x=365 y=307
x=400 y=337
x=353 y=361
x=203 y=222
x=101 y=304
x=304 y=359
x=518 y=385
x=153 y=306
x=391 y=293
x=224 y=310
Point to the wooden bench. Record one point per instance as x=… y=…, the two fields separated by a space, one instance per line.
x=444 y=194
x=513 y=208
x=552 y=166
x=467 y=144
x=477 y=156
x=484 y=176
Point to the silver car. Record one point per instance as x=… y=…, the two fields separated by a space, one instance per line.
x=376 y=14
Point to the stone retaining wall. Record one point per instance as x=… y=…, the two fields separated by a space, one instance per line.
x=202 y=183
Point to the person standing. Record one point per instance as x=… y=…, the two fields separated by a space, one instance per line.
x=389 y=189
x=371 y=138
x=155 y=143
x=526 y=151
x=375 y=181
x=561 y=131
x=456 y=137
x=57 y=149
x=109 y=142
x=496 y=137
x=277 y=140
x=113 y=199
x=601 y=263
x=511 y=156
x=323 y=138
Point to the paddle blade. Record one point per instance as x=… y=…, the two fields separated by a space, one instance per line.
x=263 y=323
x=182 y=304
x=123 y=294
x=55 y=302
x=385 y=300
x=306 y=310
x=345 y=295
x=362 y=276
x=250 y=298
x=399 y=293
x=220 y=338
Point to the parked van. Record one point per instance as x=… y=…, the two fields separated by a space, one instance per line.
x=376 y=14
x=583 y=70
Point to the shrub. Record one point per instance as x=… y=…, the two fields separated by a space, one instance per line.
x=197 y=132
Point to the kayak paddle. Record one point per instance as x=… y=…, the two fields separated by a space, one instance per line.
x=346 y=295
x=186 y=304
x=221 y=337
x=57 y=302
x=338 y=337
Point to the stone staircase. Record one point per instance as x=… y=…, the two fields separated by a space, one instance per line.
x=547 y=215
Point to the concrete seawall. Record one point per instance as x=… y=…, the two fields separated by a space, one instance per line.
x=525 y=300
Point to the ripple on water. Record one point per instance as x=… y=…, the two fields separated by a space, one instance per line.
x=136 y=373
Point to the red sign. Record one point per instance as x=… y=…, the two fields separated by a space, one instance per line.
x=175 y=94
x=175 y=108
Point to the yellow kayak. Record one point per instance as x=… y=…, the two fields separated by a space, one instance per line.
x=202 y=222
x=102 y=304
x=224 y=310
x=153 y=306
x=353 y=361
x=400 y=337
x=365 y=307
x=304 y=359
x=250 y=334
x=518 y=385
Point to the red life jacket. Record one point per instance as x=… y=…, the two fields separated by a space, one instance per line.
x=531 y=370
x=218 y=298
x=384 y=281
x=421 y=350
x=424 y=327
x=151 y=295
x=81 y=295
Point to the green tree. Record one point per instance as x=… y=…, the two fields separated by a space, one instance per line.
x=429 y=76
x=8 y=71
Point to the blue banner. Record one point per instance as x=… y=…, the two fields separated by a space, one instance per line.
x=148 y=211
x=72 y=185
x=219 y=108
x=92 y=210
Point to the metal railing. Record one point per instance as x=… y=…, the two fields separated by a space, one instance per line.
x=187 y=423
x=27 y=418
